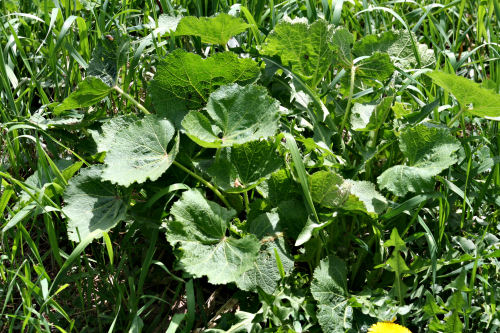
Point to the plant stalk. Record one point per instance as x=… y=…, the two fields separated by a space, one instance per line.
x=204 y=182
x=349 y=102
x=132 y=100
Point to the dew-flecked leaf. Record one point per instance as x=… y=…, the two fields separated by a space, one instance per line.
x=199 y=230
x=89 y=92
x=478 y=101
x=92 y=204
x=141 y=151
x=212 y=30
x=306 y=48
x=184 y=81
x=398 y=45
x=243 y=167
x=235 y=115
x=329 y=289
x=429 y=151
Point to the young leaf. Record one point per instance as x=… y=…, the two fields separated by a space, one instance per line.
x=92 y=204
x=327 y=189
x=89 y=92
x=108 y=57
x=365 y=198
x=398 y=44
x=369 y=117
x=306 y=48
x=212 y=30
x=199 y=228
x=477 y=100
x=329 y=289
x=235 y=115
x=265 y=273
x=183 y=81
x=429 y=150
x=243 y=167
x=141 y=151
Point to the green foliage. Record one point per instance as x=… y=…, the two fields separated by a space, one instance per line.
x=282 y=166
x=89 y=92
x=92 y=204
x=184 y=81
x=429 y=151
x=199 y=229
x=212 y=30
x=471 y=96
x=234 y=115
x=141 y=151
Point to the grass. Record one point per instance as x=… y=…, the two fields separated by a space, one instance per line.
x=127 y=281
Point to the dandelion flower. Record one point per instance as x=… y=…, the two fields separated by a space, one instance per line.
x=387 y=327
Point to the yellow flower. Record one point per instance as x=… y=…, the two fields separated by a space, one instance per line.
x=387 y=327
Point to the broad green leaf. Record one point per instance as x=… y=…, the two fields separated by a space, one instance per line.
x=341 y=45
x=244 y=323
x=279 y=187
x=398 y=45
x=108 y=57
x=369 y=72
x=234 y=115
x=429 y=151
x=265 y=273
x=453 y=324
x=199 y=229
x=184 y=81
x=40 y=179
x=329 y=289
x=212 y=30
x=242 y=167
x=141 y=151
x=105 y=136
x=166 y=23
x=327 y=189
x=476 y=100
x=396 y=262
x=89 y=92
x=369 y=117
x=293 y=217
x=92 y=204
x=364 y=197
x=307 y=49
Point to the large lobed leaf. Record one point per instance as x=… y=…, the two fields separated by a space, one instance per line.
x=242 y=167
x=308 y=49
x=212 y=30
x=199 y=229
x=478 y=101
x=399 y=46
x=141 y=151
x=329 y=289
x=92 y=204
x=429 y=150
x=265 y=273
x=183 y=81
x=236 y=115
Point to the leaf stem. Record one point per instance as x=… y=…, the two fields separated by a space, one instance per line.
x=131 y=99
x=247 y=202
x=349 y=101
x=452 y=121
x=204 y=182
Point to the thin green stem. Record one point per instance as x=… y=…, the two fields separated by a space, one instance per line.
x=349 y=101
x=132 y=100
x=247 y=202
x=452 y=121
x=204 y=182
